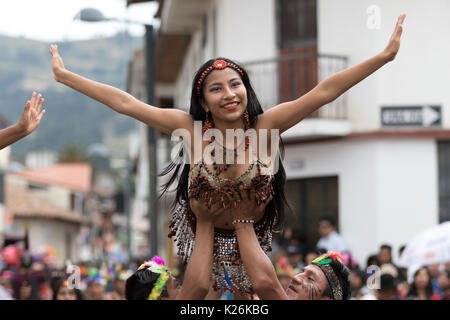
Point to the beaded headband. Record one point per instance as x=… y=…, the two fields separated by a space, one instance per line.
x=217 y=65
x=157 y=266
x=323 y=262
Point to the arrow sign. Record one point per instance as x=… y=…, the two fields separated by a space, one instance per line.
x=423 y=116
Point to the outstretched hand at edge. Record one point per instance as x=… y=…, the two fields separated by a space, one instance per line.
x=57 y=62
x=32 y=114
x=394 y=42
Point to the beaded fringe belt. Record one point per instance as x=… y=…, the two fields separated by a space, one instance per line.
x=228 y=271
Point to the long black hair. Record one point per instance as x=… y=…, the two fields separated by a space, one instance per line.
x=429 y=288
x=274 y=212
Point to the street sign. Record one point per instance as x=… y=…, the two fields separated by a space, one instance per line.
x=422 y=116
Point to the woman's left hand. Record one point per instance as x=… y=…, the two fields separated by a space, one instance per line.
x=247 y=208
x=394 y=43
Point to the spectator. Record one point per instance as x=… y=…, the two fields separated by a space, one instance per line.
x=61 y=291
x=96 y=288
x=350 y=261
x=434 y=272
x=6 y=291
x=444 y=284
x=421 y=287
x=388 y=288
x=295 y=257
x=310 y=256
x=385 y=258
x=358 y=281
x=447 y=266
x=385 y=254
x=402 y=272
x=330 y=239
x=372 y=261
x=118 y=286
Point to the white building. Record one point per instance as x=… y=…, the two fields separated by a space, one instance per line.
x=375 y=159
x=49 y=202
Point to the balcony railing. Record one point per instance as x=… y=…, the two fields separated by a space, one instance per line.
x=289 y=77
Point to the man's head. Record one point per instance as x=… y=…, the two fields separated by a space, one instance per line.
x=385 y=254
x=324 y=279
x=294 y=255
x=152 y=281
x=96 y=288
x=388 y=288
x=326 y=226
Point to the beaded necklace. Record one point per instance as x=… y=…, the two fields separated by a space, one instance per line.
x=224 y=167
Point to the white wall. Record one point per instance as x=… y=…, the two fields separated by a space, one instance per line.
x=419 y=73
x=5 y=157
x=376 y=181
x=52 y=233
x=408 y=193
x=246 y=30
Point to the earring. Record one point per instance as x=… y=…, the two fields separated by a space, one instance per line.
x=207 y=124
x=246 y=120
x=247 y=126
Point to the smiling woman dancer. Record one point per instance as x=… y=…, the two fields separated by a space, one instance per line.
x=222 y=98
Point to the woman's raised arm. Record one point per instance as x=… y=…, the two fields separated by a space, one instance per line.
x=164 y=120
x=288 y=114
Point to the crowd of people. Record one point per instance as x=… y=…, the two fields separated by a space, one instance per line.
x=35 y=275
x=39 y=275
x=377 y=278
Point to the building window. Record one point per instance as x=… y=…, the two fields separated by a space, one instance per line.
x=444 y=180
x=297 y=22
x=35 y=186
x=72 y=201
x=310 y=200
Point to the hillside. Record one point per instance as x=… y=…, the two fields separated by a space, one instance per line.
x=71 y=117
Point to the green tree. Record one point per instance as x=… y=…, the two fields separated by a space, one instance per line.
x=72 y=153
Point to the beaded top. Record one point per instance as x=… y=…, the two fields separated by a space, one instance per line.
x=204 y=183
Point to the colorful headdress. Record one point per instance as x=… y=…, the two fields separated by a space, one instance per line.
x=218 y=65
x=157 y=265
x=323 y=262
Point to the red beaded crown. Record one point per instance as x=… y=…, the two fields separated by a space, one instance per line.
x=219 y=65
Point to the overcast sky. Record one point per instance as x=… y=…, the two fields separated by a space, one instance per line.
x=53 y=20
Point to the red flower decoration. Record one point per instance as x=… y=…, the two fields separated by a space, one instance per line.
x=220 y=64
x=335 y=255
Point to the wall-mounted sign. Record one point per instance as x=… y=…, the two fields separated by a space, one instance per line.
x=423 y=116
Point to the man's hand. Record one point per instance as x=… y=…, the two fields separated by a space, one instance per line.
x=394 y=43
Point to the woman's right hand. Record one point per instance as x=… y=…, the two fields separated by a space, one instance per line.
x=57 y=63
